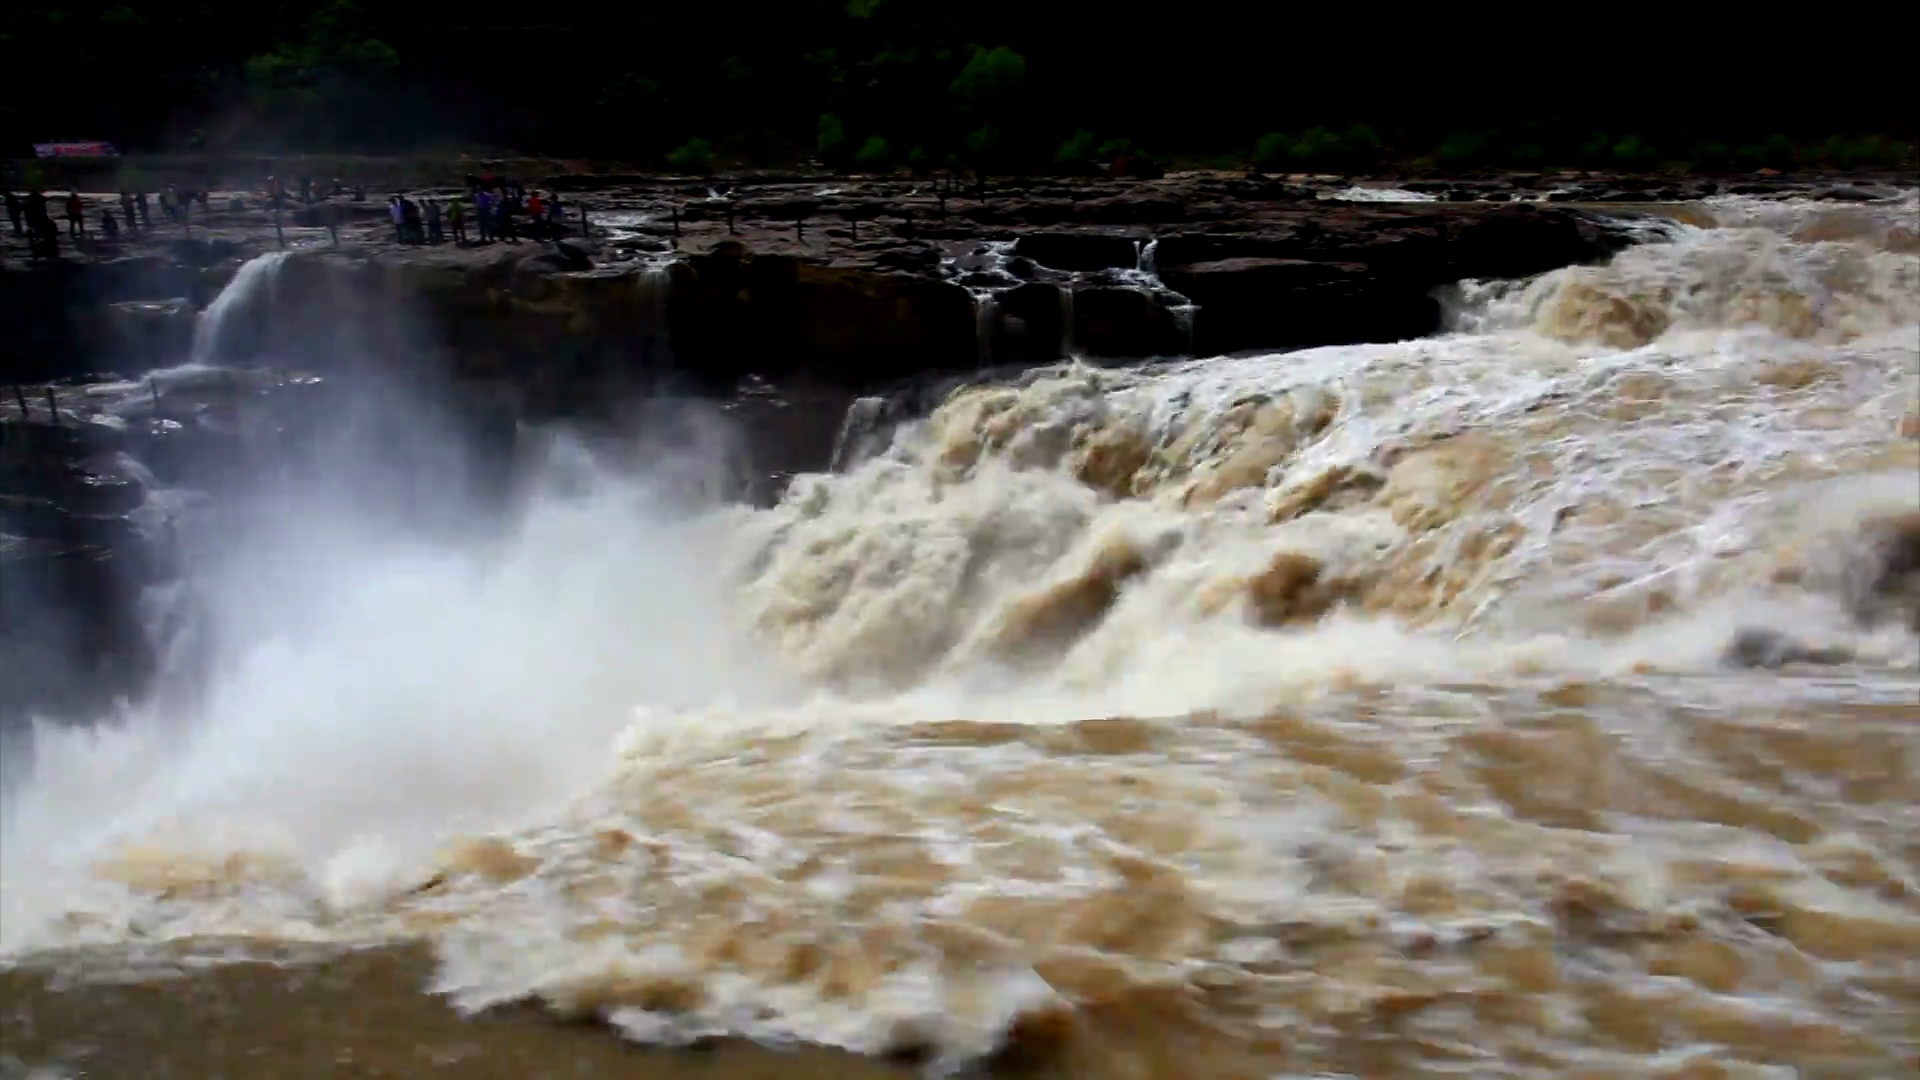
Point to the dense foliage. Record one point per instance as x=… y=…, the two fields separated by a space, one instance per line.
x=874 y=84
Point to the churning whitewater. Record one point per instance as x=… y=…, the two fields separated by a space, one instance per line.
x=1539 y=696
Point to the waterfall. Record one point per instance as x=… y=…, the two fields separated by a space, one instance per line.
x=1066 y=321
x=863 y=432
x=245 y=298
x=1147 y=270
x=986 y=320
x=655 y=284
x=1144 y=260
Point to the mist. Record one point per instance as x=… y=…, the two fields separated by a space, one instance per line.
x=378 y=642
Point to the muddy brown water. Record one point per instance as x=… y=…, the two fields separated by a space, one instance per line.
x=354 y=1014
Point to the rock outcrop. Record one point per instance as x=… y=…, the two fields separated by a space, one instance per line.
x=850 y=288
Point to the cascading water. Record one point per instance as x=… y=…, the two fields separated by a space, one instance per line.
x=1366 y=711
x=248 y=298
x=986 y=324
x=1066 y=320
x=655 y=285
x=1179 y=306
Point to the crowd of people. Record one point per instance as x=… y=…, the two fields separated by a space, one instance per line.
x=31 y=216
x=498 y=209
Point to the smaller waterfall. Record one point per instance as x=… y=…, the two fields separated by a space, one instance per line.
x=986 y=322
x=1147 y=270
x=246 y=298
x=1066 y=321
x=655 y=284
x=864 y=432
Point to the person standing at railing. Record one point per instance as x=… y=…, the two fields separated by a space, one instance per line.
x=76 y=215
x=483 y=214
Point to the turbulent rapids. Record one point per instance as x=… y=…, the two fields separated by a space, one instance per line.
x=1537 y=699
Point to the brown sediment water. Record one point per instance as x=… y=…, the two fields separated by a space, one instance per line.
x=1541 y=699
x=359 y=1014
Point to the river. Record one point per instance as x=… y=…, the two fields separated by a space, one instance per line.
x=1538 y=699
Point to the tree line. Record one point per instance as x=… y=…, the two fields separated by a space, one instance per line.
x=880 y=84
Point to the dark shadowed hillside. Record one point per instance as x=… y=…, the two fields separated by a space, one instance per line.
x=883 y=83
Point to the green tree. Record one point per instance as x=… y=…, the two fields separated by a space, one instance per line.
x=326 y=83
x=1273 y=148
x=830 y=137
x=693 y=156
x=1315 y=146
x=1596 y=149
x=874 y=154
x=1078 y=151
x=992 y=79
x=1634 y=152
x=1464 y=149
x=1711 y=155
x=983 y=145
x=1775 y=153
x=1361 y=145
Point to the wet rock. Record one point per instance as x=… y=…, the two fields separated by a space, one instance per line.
x=1762 y=647
x=844 y=326
x=1882 y=583
x=146 y=334
x=1136 y=166
x=1032 y=327
x=1125 y=322
x=912 y=258
x=70 y=637
x=1251 y=303
x=1845 y=193
x=1080 y=252
x=201 y=251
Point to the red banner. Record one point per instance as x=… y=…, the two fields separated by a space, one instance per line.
x=75 y=149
